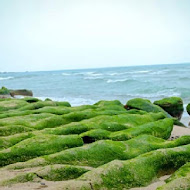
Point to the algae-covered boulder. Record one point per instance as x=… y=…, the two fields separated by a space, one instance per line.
x=161 y=128
x=172 y=105
x=188 y=109
x=180 y=180
x=11 y=104
x=54 y=172
x=52 y=141
x=144 y=104
x=109 y=103
x=13 y=129
x=4 y=91
x=137 y=172
x=37 y=146
x=104 y=151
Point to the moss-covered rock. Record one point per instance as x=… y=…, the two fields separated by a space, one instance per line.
x=146 y=105
x=11 y=104
x=43 y=135
x=188 y=109
x=50 y=173
x=37 y=105
x=4 y=91
x=161 y=129
x=8 y=141
x=105 y=122
x=104 y=151
x=37 y=146
x=137 y=172
x=13 y=129
x=180 y=180
x=172 y=105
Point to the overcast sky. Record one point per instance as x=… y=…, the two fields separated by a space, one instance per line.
x=72 y=34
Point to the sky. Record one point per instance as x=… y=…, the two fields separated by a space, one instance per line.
x=73 y=34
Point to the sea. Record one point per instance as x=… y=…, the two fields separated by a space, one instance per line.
x=87 y=86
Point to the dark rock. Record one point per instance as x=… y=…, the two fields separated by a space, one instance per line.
x=22 y=92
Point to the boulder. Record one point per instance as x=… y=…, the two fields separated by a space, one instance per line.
x=145 y=105
x=188 y=108
x=172 y=105
x=22 y=92
x=137 y=172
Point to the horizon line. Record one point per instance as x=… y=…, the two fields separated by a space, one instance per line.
x=94 y=68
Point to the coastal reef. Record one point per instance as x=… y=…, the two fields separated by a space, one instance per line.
x=108 y=145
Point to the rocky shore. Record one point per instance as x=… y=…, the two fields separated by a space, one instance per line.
x=108 y=145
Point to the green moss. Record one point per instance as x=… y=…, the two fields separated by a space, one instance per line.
x=161 y=129
x=61 y=172
x=106 y=122
x=13 y=129
x=49 y=173
x=104 y=151
x=4 y=91
x=136 y=172
x=6 y=142
x=37 y=105
x=19 y=179
x=146 y=105
x=188 y=109
x=38 y=121
x=108 y=103
x=172 y=105
x=37 y=146
x=13 y=113
x=11 y=104
x=180 y=180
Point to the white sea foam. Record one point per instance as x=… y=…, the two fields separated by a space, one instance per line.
x=129 y=72
x=75 y=101
x=118 y=80
x=137 y=72
x=93 y=78
x=66 y=74
x=6 y=78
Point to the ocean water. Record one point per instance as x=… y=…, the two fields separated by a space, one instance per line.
x=91 y=85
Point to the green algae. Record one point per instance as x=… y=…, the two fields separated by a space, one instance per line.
x=41 y=104
x=125 y=175
x=11 y=104
x=106 y=122
x=8 y=141
x=172 y=105
x=13 y=129
x=188 y=109
x=180 y=180
x=161 y=128
x=104 y=151
x=49 y=173
x=4 y=91
x=37 y=146
x=146 y=105
x=42 y=134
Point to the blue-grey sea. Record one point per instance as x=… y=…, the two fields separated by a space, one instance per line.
x=88 y=86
